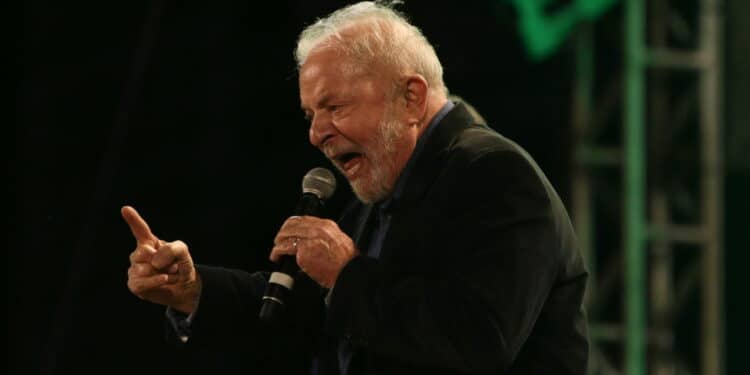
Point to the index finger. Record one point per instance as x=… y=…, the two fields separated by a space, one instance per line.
x=138 y=226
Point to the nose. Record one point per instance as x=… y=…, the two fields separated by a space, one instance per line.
x=321 y=129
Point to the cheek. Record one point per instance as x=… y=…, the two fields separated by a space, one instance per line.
x=368 y=132
x=352 y=134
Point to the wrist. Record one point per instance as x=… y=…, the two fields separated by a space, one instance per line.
x=191 y=297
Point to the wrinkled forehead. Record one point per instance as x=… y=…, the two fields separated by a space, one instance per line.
x=322 y=75
x=324 y=58
x=325 y=65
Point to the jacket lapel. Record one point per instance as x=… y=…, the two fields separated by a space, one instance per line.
x=427 y=168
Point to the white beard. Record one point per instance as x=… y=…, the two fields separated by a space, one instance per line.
x=379 y=183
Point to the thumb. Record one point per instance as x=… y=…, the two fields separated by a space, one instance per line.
x=138 y=226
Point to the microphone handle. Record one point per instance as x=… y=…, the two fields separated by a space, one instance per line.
x=281 y=281
x=309 y=204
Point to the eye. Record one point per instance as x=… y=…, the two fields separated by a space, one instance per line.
x=333 y=108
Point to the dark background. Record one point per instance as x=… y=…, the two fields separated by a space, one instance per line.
x=189 y=111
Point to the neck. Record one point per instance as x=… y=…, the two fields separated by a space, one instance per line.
x=434 y=103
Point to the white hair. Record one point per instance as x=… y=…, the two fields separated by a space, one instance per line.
x=390 y=40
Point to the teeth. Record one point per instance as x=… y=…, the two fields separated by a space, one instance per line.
x=350 y=163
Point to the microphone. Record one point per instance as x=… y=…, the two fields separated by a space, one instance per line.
x=317 y=186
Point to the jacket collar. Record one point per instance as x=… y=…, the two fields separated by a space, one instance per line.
x=430 y=160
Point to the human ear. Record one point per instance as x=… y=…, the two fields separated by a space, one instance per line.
x=415 y=96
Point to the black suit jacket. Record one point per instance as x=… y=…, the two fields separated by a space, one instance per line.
x=479 y=273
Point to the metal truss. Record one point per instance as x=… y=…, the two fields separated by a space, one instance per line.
x=647 y=199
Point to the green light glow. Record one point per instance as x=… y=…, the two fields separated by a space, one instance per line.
x=543 y=33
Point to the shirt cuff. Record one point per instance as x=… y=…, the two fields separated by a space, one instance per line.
x=327 y=298
x=180 y=322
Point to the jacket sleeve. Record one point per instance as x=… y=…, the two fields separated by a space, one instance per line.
x=227 y=335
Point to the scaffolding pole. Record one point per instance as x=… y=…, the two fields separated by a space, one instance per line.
x=712 y=172
x=634 y=191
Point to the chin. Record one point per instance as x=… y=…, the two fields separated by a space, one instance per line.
x=370 y=190
x=365 y=197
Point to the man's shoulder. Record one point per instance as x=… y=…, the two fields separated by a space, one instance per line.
x=481 y=142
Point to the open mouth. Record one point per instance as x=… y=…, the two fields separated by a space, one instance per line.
x=349 y=162
x=345 y=158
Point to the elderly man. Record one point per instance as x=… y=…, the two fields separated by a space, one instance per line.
x=457 y=257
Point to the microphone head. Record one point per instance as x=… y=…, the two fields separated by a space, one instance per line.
x=319 y=181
